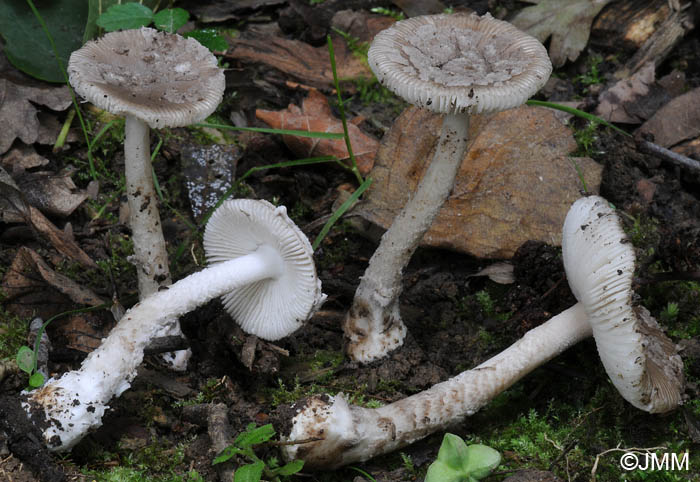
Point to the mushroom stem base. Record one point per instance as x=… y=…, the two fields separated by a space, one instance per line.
x=373 y=326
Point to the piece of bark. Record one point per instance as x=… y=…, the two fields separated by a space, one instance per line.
x=515 y=184
x=657 y=47
x=626 y=24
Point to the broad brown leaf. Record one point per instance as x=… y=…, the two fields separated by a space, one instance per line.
x=516 y=182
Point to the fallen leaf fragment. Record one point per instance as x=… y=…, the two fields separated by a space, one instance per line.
x=18 y=114
x=51 y=192
x=515 y=184
x=316 y=115
x=22 y=157
x=61 y=241
x=568 y=22
x=616 y=104
x=676 y=121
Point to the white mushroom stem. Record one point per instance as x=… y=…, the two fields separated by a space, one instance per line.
x=351 y=434
x=149 y=245
x=76 y=402
x=150 y=253
x=373 y=326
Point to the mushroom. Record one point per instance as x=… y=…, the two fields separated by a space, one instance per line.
x=455 y=65
x=641 y=361
x=259 y=260
x=154 y=79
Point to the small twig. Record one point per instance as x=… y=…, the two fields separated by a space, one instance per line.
x=618 y=449
x=668 y=155
x=278 y=443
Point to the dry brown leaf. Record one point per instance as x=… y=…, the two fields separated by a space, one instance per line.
x=18 y=116
x=22 y=157
x=677 y=121
x=516 y=183
x=568 y=22
x=316 y=115
x=52 y=193
x=60 y=240
x=616 y=102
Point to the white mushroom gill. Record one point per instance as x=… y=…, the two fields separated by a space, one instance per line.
x=66 y=408
x=454 y=65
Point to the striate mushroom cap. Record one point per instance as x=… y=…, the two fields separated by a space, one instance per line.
x=273 y=307
x=641 y=361
x=459 y=63
x=163 y=79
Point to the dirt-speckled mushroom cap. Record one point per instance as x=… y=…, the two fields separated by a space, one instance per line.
x=274 y=307
x=641 y=361
x=163 y=79
x=459 y=63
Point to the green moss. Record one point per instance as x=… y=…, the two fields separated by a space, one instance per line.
x=13 y=333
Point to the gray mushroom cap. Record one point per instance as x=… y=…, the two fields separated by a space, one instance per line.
x=641 y=361
x=163 y=79
x=459 y=63
x=274 y=307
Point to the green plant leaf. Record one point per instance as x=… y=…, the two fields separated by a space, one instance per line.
x=226 y=454
x=210 y=38
x=291 y=468
x=171 y=19
x=25 y=359
x=458 y=463
x=125 y=16
x=249 y=473
x=26 y=44
x=36 y=380
x=481 y=460
x=97 y=8
x=254 y=436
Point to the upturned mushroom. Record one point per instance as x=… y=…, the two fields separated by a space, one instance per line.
x=640 y=360
x=154 y=79
x=259 y=260
x=455 y=65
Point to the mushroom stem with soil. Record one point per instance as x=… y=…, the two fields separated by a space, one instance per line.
x=153 y=79
x=271 y=265
x=455 y=65
x=640 y=360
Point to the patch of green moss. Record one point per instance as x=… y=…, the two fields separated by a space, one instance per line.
x=157 y=462
x=13 y=333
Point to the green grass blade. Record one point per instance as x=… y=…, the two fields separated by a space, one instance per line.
x=577 y=113
x=265 y=130
x=340 y=211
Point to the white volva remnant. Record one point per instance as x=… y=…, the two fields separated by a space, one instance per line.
x=270 y=264
x=640 y=360
x=454 y=65
x=154 y=79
